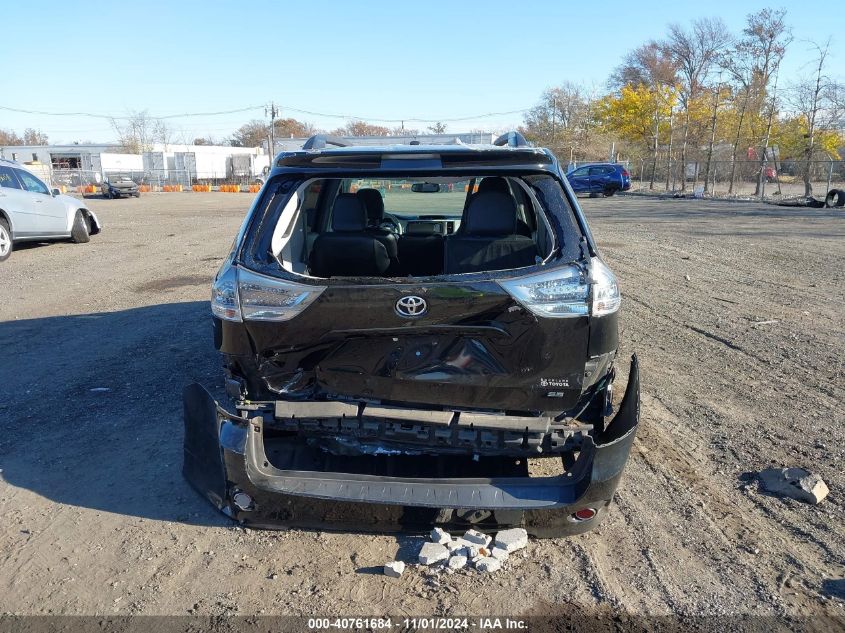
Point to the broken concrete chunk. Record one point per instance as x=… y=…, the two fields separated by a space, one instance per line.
x=439 y=535
x=512 y=540
x=477 y=538
x=431 y=553
x=488 y=564
x=471 y=551
x=457 y=562
x=500 y=553
x=454 y=547
x=794 y=482
x=394 y=569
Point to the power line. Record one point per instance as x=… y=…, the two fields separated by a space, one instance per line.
x=260 y=107
x=126 y=118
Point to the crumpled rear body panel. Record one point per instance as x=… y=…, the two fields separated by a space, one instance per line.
x=225 y=460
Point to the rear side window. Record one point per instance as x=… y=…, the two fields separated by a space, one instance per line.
x=8 y=179
x=31 y=183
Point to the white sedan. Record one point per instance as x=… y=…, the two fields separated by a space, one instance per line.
x=30 y=211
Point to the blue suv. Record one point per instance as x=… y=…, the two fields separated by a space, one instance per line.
x=604 y=178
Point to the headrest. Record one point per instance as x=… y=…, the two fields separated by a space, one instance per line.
x=348 y=213
x=494 y=183
x=490 y=213
x=373 y=203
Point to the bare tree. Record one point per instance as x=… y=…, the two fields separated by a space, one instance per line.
x=9 y=137
x=136 y=132
x=561 y=120
x=648 y=65
x=814 y=99
x=361 y=128
x=653 y=66
x=251 y=134
x=34 y=137
x=695 y=52
x=437 y=128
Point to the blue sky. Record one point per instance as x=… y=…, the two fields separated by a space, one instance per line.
x=387 y=60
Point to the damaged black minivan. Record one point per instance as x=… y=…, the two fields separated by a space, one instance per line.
x=414 y=335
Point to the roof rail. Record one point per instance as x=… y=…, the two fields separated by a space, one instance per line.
x=319 y=141
x=512 y=139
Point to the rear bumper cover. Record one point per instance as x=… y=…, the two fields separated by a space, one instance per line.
x=225 y=460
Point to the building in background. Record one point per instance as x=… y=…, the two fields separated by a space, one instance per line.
x=73 y=165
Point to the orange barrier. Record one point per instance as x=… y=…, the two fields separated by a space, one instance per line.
x=144 y=188
x=172 y=188
x=201 y=188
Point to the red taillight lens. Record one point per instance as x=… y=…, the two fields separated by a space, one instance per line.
x=625 y=173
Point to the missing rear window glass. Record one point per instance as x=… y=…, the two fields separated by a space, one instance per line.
x=419 y=226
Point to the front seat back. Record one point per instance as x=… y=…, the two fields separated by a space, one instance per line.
x=489 y=238
x=374 y=206
x=348 y=250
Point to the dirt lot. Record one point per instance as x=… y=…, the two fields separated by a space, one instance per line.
x=99 y=339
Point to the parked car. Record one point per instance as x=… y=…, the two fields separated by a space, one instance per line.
x=395 y=355
x=120 y=187
x=30 y=211
x=604 y=178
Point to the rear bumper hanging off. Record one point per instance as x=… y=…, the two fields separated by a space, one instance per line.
x=225 y=460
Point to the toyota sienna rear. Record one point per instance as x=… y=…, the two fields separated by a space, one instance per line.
x=414 y=336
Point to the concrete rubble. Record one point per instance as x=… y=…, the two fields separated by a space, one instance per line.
x=457 y=562
x=440 y=536
x=394 y=569
x=431 y=553
x=796 y=483
x=512 y=540
x=488 y=564
x=473 y=550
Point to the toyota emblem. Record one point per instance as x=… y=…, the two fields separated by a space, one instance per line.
x=411 y=306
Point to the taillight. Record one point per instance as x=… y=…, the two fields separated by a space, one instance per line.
x=224 y=294
x=625 y=173
x=559 y=293
x=241 y=295
x=565 y=292
x=606 y=297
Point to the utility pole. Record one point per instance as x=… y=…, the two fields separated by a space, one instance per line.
x=271 y=111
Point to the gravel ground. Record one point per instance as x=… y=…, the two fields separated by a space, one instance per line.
x=736 y=313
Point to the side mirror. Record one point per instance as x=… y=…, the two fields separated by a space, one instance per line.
x=56 y=192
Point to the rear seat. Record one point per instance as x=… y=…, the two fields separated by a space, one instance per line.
x=488 y=239
x=421 y=250
x=348 y=250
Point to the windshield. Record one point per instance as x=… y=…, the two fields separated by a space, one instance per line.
x=404 y=197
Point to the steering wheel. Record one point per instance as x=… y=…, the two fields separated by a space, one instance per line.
x=390 y=223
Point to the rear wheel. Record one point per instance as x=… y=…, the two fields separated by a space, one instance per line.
x=79 y=233
x=5 y=240
x=609 y=191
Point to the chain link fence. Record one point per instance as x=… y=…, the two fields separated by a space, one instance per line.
x=741 y=178
x=86 y=181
